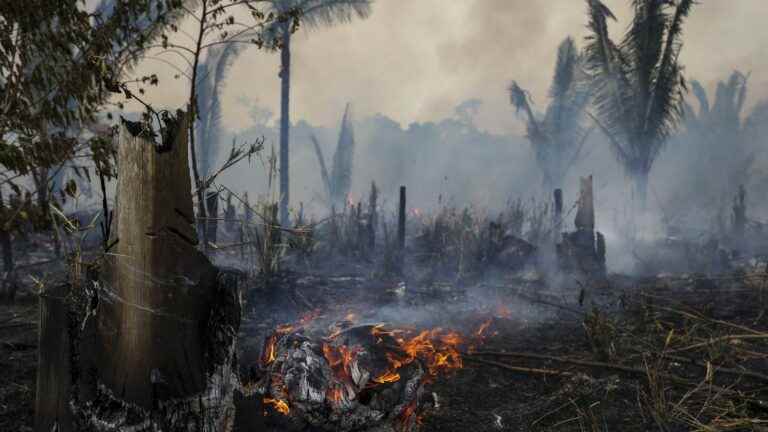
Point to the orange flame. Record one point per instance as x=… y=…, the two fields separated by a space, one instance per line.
x=340 y=360
x=280 y=405
x=388 y=377
x=437 y=349
x=483 y=327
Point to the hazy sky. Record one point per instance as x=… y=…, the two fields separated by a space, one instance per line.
x=415 y=60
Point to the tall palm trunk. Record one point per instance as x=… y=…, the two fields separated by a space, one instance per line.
x=285 y=87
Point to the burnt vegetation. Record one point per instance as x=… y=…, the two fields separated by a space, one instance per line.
x=144 y=289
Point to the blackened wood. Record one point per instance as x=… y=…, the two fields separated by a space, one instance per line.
x=156 y=286
x=53 y=363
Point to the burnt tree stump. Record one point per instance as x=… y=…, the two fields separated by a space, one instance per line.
x=166 y=319
x=583 y=250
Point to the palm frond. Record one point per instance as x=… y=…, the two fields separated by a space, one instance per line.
x=213 y=74
x=323 y=169
x=317 y=13
x=701 y=95
x=610 y=85
x=341 y=171
x=668 y=95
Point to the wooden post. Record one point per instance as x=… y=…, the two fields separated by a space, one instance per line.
x=373 y=218
x=156 y=286
x=401 y=221
x=53 y=363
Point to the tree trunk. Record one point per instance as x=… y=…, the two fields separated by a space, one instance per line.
x=157 y=284
x=585 y=215
x=285 y=87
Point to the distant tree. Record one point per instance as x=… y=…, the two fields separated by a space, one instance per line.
x=313 y=14
x=558 y=138
x=722 y=137
x=339 y=182
x=638 y=84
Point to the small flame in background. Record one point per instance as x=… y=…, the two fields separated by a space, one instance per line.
x=438 y=349
x=280 y=406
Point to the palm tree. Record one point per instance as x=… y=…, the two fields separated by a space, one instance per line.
x=638 y=84
x=723 y=141
x=312 y=13
x=339 y=182
x=559 y=137
x=213 y=72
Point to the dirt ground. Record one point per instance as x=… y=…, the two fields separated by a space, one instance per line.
x=684 y=353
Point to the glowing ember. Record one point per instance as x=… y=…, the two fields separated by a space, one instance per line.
x=388 y=377
x=483 y=327
x=280 y=405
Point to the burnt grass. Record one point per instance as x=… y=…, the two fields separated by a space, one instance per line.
x=673 y=353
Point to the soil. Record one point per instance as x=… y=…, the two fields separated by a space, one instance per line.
x=631 y=324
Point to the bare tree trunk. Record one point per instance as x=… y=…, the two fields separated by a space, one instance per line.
x=285 y=87
x=401 y=230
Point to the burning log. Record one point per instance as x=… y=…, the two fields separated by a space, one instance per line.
x=361 y=378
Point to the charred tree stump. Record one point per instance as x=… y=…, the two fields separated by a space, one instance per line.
x=52 y=395
x=166 y=320
x=584 y=249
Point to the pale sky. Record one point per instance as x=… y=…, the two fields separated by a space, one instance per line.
x=415 y=60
